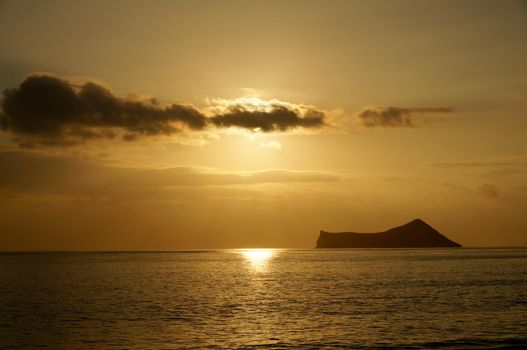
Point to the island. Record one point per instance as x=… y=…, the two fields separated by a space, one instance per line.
x=415 y=234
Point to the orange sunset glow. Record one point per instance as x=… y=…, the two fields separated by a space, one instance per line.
x=263 y=174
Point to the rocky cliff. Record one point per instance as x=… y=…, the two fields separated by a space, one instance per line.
x=415 y=234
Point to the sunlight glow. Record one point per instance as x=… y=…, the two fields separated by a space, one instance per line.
x=253 y=103
x=258 y=258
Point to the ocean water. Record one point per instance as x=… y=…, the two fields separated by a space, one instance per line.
x=265 y=299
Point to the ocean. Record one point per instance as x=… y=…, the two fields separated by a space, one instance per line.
x=265 y=299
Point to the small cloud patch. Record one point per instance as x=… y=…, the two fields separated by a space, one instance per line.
x=396 y=116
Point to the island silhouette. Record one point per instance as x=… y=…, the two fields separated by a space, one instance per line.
x=415 y=234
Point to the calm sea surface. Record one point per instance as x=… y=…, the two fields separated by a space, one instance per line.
x=258 y=299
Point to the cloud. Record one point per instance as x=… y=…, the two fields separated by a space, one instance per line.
x=396 y=116
x=480 y=164
x=278 y=118
x=51 y=111
x=489 y=191
x=28 y=172
x=508 y=167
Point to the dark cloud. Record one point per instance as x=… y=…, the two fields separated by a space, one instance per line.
x=396 y=116
x=46 y=110
x=279 y=118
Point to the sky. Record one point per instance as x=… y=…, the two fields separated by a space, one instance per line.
x=160 y=125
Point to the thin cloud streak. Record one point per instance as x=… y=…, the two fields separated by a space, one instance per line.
x=31 y=172
x=480 y=164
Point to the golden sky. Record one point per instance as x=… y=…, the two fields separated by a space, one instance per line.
x=226 y=124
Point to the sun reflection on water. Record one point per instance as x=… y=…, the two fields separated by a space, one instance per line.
x=258 y=258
